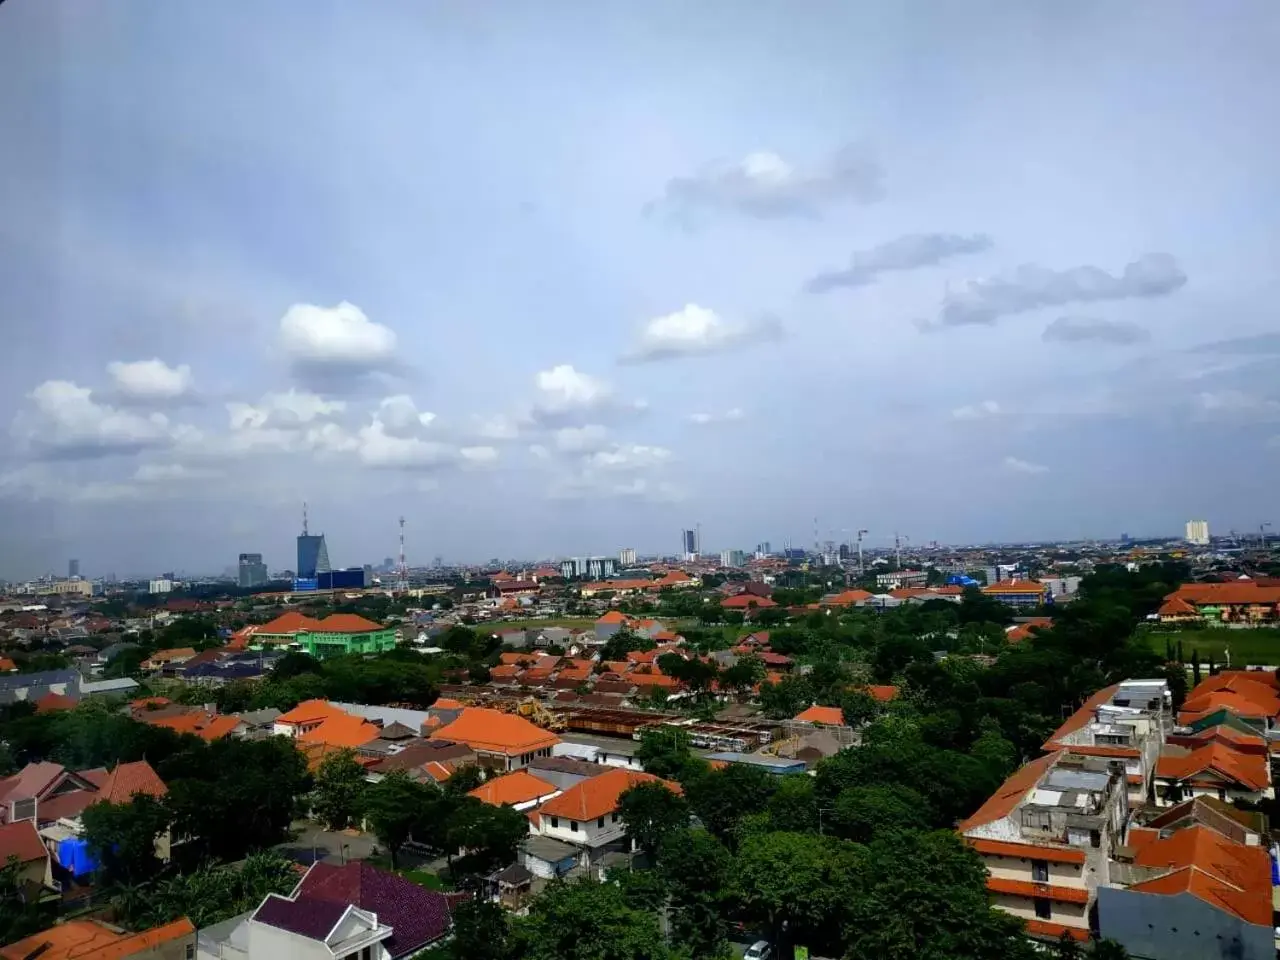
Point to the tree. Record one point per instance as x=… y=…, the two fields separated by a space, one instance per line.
x=743 y=675
x=340 y=787
x=697 y=869
x=213 y=893
x=1107 y=950
x=394 y=806
x=585 y=920
x=719 y=798
x=481 y=931
x=794 y=805
x=859 y=707
x=863 y=813
x=122 y=838
x=1195 y=666
x=490 y=835
x=664 y=752
x=294 y=664
x=464 y=780
x=652 y=811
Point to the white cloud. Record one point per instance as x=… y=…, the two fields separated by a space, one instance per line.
x=628 y=456
x=585 y=439
x=695 y=330
x=293 y=409
x=706 y=419
x=333 y=347
x=977 y=411
x=1023 y=466
x=499 y=427
x=150 y=380
x=765 y=186
x=401 y=418
x=478 y=456
x=377 y=448
x=566 y=396
x=1235 y=404
x=66 y=422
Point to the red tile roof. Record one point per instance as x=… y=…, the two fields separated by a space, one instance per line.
x=1042 y=891
x=53 y=702
x=1015 y=586
x=1247 y=769
x=81 y=939
x=598 y=796
x=1026 y=851
x=831 y=716
x=1047 y=929
x=206 y=726
x=847 y=598
x=1003 y=802
x=1228 y=875
x=1082 y=717
x=344 y=623
x=746 y=601
x=128 y=780
x=22 y=841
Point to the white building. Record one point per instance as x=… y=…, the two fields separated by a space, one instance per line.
x=627 y=557
x=1198 y=533
x=161 y=586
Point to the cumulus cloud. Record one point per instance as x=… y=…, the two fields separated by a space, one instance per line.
x=294 y=408
x=150 y=380
x=333 y=348
x=584 y=439
x=765 y=186
x=909 y=252
x=564 y=395
x=1031 y=287
x=400 y=416
x=706 y=419
x=694 y=331
x=628 y=456
x=65 y=421
x=977 y=411
x=1231 y=404
x=1092 y=330
x=1014 y=465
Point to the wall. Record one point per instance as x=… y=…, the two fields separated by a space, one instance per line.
x=1024 y=908
x=1181 y=927
x=175 y=949
x=588 y=834
x=1013 y=868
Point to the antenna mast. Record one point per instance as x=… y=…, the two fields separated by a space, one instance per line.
x=304 y=518
x=402 y=572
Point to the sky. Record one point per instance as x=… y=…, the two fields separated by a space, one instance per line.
x=557 y=279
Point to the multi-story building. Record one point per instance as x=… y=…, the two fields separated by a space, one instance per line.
x=313 y=556
x=901 y=578
x=733 y=558
x=1018 y=593
x=73 y=569
x=1198 y=533
x=595 y=567
x=627 y=557
x=164 y=585
x=253 y=572
x=1045 y=838
x=64 y=588
x=342 y=633
x=1126 y=721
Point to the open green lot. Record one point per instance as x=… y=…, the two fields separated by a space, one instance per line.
x=1258 y=647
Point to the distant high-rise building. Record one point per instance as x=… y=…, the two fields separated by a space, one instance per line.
x=690 y=538
x=313 y=556
x=253 y=572
x=627 y=557
x=733 y=558
x=73 y=569
x=1198 y=532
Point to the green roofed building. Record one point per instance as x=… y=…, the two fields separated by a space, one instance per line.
x=335 y=635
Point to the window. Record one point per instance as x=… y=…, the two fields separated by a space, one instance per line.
x=555 y=822
x=1040 y=871
x=615 y=818
x=573 y=826
x=1043 y=909
x=600 y=822
x=1095 y=839
x=190 y=952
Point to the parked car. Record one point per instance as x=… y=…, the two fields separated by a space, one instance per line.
x=760 y=950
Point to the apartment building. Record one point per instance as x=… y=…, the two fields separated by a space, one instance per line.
x=1126 y=721
x=1045 y=837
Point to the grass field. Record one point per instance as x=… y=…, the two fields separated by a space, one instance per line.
x=570 y=623
x=1259 y=647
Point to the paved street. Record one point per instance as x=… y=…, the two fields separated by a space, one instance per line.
x=315 y=844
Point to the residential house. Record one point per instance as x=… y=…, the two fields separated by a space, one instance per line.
x=169 y=660
x=1126 y=721
x=519 y=789
x=84 y=939
x=1024 y=628
x=586 y=814
x=1045 y=838
x=821 y=716
x=256 y=724
x=305 y=717
x=502 y=741
x=198 y=723
x=350 y=912
x=1251 y=695
x=1195 y=884
x=426 y=761
x=20 y=841
x=47 y=792
x=846 y=598
x=33 y=686
x=747 y=602
x=1216 y=769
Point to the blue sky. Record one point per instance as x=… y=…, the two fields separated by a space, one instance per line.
x=551 y=278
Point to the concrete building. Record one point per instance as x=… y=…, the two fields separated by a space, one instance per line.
x=160 y=586
x=62 y=588
x=1018 y=593
x=627 y=557
x=73 y=569
x=1198 y=533
x=733 y=558
x=1046 y=837
x=1126 y=721
x=253 y=572
x=902 y=578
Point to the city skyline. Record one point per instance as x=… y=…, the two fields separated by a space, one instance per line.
x=553 y=282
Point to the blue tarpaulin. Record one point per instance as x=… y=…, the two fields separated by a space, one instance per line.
x=73 y=854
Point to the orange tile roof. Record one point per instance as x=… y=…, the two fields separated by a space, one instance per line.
x=505 y=671
x=512 y=788
x=1041 y=891
x=145 y=703
x=1015 y=586
x=1026 y=851
x=847 y=598
x=289 y=622
x=598 y=796
x=444 y=703
x=342 y=730
x=344 y=623
x=745 y=601
x=81 y=939
x=1047 y=928
x=177 y=653
x=6 y=664
x=1232 y=593
x=515 y=659
x=1024 y=631
x=1228 y=875
x=832 y=716
x=491 y=731
x=21 y=840
x=128 y=780
x=1176 y=606
x=1003 y=802
x=883 y=692
x=52 y=702
x=658 y=680
x=1237 y=691
x=198 y=723
x=309 y=711
x=1248 y=769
